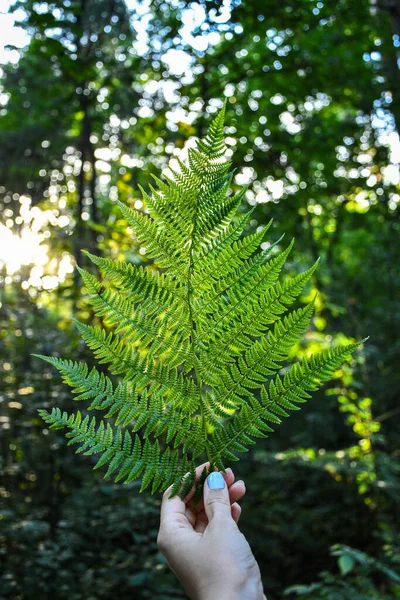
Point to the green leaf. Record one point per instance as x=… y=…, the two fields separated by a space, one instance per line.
x=197 y=339
x=345 y=563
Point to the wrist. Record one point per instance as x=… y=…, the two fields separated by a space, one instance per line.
x=252 y=590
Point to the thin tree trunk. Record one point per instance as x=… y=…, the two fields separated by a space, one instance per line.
x=390 y=61
x=93 y=185
x=79 y=229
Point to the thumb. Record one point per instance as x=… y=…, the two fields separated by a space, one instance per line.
x=216 y=497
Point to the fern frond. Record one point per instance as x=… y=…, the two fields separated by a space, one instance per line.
x=196 y=340
x=158 y=336
x=141 y=371
x=211 y=247
x=263 y=358
x=124 y=453
x=241 y=290
x=228 y=343
x=280 y=395
x=221 y=263
x=90 y=385
x=156 y=294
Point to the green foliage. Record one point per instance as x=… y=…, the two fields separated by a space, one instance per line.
x=60 y=523
x=198 y=344
x=355 y=581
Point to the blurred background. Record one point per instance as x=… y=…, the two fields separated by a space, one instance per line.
x=95 y=96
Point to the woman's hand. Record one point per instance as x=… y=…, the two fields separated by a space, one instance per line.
x=203 y=545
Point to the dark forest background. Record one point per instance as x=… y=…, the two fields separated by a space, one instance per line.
x=90 y=108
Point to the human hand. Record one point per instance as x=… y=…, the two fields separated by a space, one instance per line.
x=203 y=545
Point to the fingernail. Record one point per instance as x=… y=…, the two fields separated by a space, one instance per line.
x=216 y=481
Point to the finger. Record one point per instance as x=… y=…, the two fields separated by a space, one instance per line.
x=198 y=472
x=229 y=478
x=201 y=522
x=174 y=509
x=190 y=515
x=236 y=510
x=201 y=519
x=237 y=491
x=216 y=497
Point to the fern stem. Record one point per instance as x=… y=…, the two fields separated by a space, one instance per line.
x=204 y=421
x=193 y=329
x=196 y=371
x=193 y=348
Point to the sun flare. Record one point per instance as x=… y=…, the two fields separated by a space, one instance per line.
x=23 y=249
x=27 y=249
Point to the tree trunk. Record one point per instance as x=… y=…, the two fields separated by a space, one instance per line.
x=93 y=184
x=390 y=61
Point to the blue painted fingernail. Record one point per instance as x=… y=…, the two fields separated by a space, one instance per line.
x=216 y=481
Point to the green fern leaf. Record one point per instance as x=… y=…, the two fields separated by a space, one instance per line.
x=197 y=340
